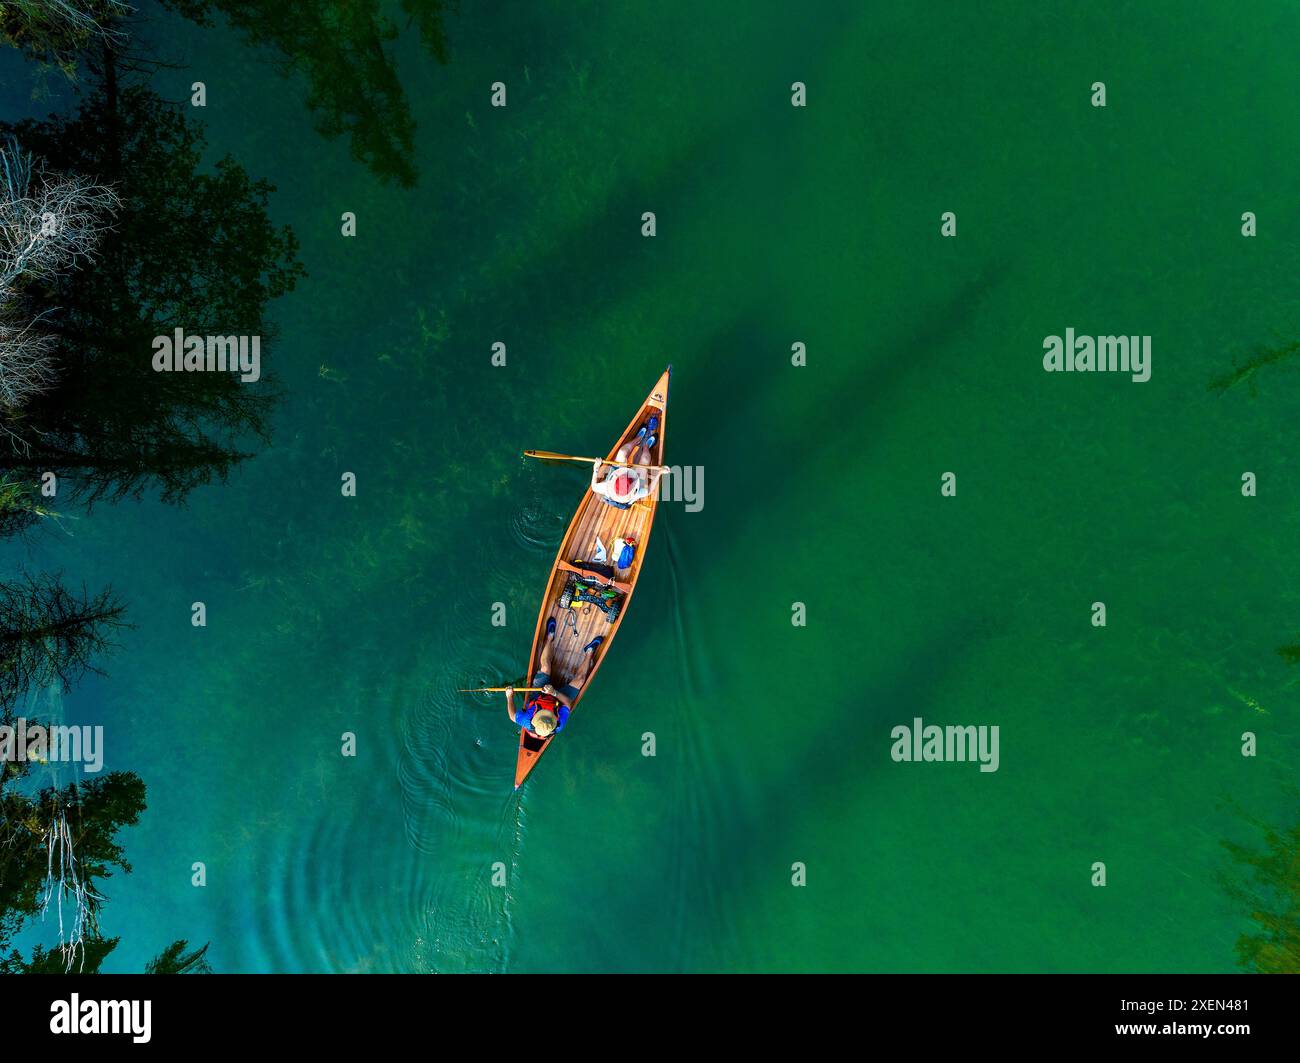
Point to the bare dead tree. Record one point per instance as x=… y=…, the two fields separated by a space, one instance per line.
x=49 y=223
x=55 y=30
x=66 y=886
x=26 y=357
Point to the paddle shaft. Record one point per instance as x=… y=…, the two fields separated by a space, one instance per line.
x=498 y=690
x=550 y=456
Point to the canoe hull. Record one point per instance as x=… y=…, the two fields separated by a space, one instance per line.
x=576 y=627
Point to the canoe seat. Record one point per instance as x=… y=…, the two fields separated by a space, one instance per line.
x=565 y=566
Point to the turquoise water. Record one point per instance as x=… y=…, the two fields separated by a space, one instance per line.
x=775 y=225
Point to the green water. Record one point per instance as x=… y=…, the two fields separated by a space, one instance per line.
x=822 y=485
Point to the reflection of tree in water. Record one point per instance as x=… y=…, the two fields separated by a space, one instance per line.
x=50 y=223
x=352 y=84
x=337 y=45
x=1271 y=897
x=55 y=847
x=1271 y=893
x=52 y=850
x=57 y=31
x=187 y=249
x=50 y=635
x=58 y=835
x=190 y=249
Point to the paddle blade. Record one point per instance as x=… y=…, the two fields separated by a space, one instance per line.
x=550 y=455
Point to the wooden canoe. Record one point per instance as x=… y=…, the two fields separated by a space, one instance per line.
x=594 y=518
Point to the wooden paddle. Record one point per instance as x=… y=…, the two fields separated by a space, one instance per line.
x=551 y=456
x=496 y=690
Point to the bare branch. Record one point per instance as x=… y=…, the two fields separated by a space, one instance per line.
x=26 y=357
x=61 y=26
x=49 y=223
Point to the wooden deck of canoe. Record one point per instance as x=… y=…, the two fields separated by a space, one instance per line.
x=575 y=627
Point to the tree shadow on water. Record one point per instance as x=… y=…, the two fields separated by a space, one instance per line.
x=339 y=48
x=726 y=399
x=763 y=823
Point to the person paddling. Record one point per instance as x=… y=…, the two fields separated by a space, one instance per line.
x=545 y=713
x=628 y=480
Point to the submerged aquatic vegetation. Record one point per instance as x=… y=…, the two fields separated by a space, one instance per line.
x=21 y=507
x=1244 y=372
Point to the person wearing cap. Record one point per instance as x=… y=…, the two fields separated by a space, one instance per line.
x=628 y=480
x=546 y=711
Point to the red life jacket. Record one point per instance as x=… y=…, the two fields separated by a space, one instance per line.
x=549 y=702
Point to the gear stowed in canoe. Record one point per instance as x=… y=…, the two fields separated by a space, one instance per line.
x=592 y=580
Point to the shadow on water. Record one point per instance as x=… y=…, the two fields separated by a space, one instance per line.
x=766 y=821
x=866 y=395
x=602 y=260
x=862 y=396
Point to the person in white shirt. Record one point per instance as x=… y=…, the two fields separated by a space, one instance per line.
x=629 y=478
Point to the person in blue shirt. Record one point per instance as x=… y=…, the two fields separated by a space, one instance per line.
x=545 y=712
